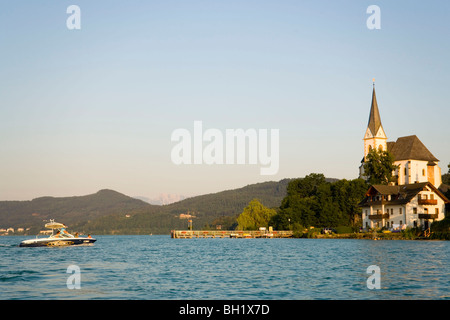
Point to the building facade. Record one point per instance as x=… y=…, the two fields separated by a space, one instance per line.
x=414 y=198
x=400 y=206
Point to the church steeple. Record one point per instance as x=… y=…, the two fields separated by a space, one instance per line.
x=375 y=136
x=374 y=118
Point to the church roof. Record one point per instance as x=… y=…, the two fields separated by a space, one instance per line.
x=374 y=118
x=410 y=148
x=401 y=194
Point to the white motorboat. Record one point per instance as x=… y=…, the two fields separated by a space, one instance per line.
x=59 y=237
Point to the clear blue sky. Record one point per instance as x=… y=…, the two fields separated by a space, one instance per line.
x=83 y=110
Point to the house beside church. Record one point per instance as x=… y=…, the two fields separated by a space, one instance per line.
x=414 y=198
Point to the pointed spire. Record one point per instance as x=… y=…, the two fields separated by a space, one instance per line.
x=374 y=118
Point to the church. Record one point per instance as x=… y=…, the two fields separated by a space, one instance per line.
x=414 y=198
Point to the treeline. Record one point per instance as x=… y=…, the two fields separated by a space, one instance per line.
x=289 y=204
x=313 y=201
x=211 y=211
x=310 y=202
x=441 y=229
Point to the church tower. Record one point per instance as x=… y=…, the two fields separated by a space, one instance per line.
x=415 y=163
x=375 y=136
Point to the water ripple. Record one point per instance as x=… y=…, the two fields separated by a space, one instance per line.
x=157 y=267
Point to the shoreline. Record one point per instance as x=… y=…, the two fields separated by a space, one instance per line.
x=370 y=236
x=354 y=236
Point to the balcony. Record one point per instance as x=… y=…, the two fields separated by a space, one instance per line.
x=376 y=202
x=379 y=216
x=427 y=216
x=428 y=202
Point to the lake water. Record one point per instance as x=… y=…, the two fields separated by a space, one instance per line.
x=158 y=267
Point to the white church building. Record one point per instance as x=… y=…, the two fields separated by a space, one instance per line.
x=414 y=199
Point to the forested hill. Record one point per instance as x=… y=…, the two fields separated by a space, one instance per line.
x=68 y=210
x=207 y=211
x=108 y=211
x=220 y=208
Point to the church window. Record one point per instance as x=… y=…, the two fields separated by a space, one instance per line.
x=415 y=210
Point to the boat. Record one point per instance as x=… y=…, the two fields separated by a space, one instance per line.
x=59 y=237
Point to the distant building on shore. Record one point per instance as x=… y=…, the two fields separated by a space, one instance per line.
x=414 y=198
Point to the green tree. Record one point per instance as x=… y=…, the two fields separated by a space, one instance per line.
x=302 y=206
x=306 y=186
x=347 y=194
x=446 y=190
x=379 y=167
x=312 y=201
x=254 y=216
x=446 y=177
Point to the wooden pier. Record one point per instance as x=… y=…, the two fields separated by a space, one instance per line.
x=189 y=234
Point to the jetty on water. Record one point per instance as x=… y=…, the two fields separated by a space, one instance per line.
x=189 y=234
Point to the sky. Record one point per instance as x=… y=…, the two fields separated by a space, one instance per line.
x=94 y=108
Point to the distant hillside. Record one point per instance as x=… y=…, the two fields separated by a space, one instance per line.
x=110 y=212
x=210 y=209
x=68 y=210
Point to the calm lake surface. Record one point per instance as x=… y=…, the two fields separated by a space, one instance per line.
x=158 y=267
